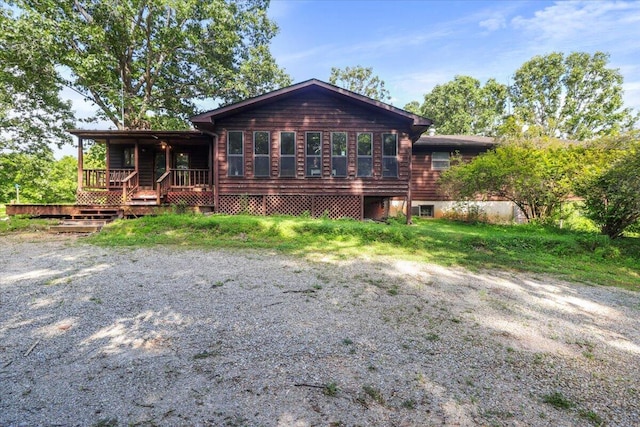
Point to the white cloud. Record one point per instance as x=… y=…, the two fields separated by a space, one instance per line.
x=586 y=22
x=493 y=24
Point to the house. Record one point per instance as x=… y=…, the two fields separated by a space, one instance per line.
x=431 y=156
x=308 y=148
x=311 y=147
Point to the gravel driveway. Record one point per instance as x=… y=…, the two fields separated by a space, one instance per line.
x=171 y=336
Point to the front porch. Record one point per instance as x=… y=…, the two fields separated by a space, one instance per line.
x=151 y=168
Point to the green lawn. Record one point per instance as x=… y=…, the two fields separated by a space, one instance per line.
x=579 y=256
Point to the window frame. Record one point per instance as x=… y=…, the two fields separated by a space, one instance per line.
x=287 y=156
x=390 y=157
x=262 y=156
x=434 y=161
x=307 y=166
x=360 y=156
x=129 y=157
x=343 y=156
x=235 y=155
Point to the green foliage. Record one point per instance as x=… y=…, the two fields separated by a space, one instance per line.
x=360 y=80
x=464 y=106
x=163 y=56
x=557 y=400
x=536 y=175
x=574 y=96
x=40 y=177
x=588 y=257
x=94 y=156
x=32 y=114
x=612 y=197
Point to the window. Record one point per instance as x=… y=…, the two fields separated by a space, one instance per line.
x=439 y=160
x=313 y=148
x=261 y=154
x=182 y=161
x=390 y=155
x=425 y=210
x=287 y=154
x=235 y=154
x=339 y=154
x=365 y=154
x=128 y=160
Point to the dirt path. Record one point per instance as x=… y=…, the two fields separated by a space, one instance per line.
x=170 y=336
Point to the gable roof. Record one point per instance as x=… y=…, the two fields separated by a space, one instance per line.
x=419 y=124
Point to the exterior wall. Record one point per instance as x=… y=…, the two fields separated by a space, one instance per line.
x=495 y=211
x=424 y=179
x=320 y=113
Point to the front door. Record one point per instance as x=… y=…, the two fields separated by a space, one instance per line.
x=159 y=166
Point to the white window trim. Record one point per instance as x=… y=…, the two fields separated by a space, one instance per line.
x=229 y=155
x=268 y=155
x=363 y=157
x=435 y=161
x=345 y=155
x=281 y=156
x=390 y=157
x=307 y=169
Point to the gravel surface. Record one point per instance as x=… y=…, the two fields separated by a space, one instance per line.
x=169 y=336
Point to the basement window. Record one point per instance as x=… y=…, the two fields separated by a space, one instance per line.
x=425 y=211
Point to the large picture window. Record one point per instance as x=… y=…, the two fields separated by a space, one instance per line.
x=313 y=153
x=287 y=154
x=261 y=154
x=440 y=160
x=339 y=154
x=390 y=155
x=365 y=154
x=235 y=154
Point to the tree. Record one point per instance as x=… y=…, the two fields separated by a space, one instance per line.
x=360 y=80
x=572 y=97
x=130 y=57
x=41 y=178
x=464 y=106
x=536 y=176
x=612 y=194
x=32 y=114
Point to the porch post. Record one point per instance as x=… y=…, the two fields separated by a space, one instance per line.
x=136 y=156
x=107 y=160
x=210 y=165
x=80 y=164
x=409 y=195
x=167 y=158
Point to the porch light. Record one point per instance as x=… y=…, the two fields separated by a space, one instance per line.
x=163 y=145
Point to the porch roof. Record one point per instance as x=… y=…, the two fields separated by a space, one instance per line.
x=103 y=135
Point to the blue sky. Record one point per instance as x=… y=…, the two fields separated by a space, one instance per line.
x=415 y=45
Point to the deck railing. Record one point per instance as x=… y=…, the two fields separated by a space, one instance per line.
x=97 y=178
x=190 y=178
x=163 y=184
x=129 y=185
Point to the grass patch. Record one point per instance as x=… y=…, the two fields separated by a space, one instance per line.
x=572 y=255
x=330 y=389
x=19 y=223
x=557 y=400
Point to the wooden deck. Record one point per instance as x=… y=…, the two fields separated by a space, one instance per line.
x=94 y=212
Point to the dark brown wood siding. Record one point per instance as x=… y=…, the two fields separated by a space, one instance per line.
x=116 y=155
x=424 y=182
x=314 y=112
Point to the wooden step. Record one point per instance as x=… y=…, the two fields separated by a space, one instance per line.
x=78 y=226
x=142 y=202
